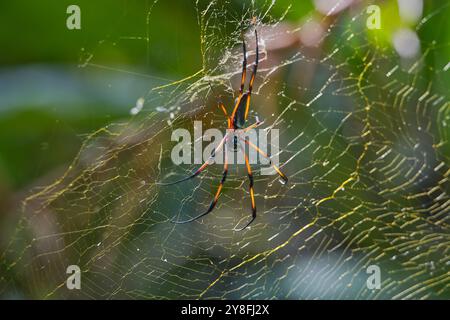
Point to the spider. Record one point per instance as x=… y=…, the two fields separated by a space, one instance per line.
x=236 y=127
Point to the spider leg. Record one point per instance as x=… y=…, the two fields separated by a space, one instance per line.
x=244 y=68
x=216 y=197
x=252 y=192
x=243 y=76
x=243 y=100
x=202 y=167
x=265 y=155
x=252 y=79
x=222 y=106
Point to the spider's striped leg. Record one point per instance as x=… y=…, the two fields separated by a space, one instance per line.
x=243 y=77
x=216 y=197
x=222 y=106
x=252 y=192
x=202 y=167
x=252 y=79
x=241 y=108
x=244 y=67
x=265 y=155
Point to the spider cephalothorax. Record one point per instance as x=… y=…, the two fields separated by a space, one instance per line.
x=235 y=137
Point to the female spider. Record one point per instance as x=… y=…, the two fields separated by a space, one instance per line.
x=235 y=135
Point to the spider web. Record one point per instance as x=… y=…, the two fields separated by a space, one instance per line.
x=364 y=142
